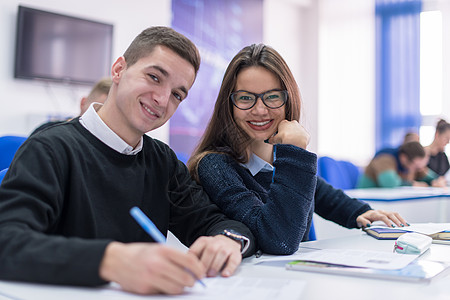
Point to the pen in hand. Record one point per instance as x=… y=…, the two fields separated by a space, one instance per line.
x=153 y=231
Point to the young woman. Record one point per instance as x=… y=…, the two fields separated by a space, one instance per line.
x=253 y=162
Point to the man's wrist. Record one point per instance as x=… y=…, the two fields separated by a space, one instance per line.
x=243 y=240
x=107 y=265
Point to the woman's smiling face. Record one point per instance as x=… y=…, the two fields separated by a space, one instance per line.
x=259 y=122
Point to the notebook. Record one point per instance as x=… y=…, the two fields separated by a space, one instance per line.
x=417 y=271
x=387 y=233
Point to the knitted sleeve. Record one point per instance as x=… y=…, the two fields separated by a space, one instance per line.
x=278 y=217
x=334 y=205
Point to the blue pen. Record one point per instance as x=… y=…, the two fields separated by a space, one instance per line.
x=153 y=231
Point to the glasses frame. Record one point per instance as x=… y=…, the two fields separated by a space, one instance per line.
x=261 y=96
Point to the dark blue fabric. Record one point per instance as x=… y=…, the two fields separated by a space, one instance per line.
x=397 y=70
x=279 y=211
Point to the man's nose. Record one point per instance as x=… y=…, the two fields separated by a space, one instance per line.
x=162 y=96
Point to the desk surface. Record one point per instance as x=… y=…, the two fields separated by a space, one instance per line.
x=318 y=286
x=398 y=194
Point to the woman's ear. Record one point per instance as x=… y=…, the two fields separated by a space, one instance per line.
x=118 y=68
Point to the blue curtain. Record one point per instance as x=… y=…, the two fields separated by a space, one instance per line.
x=397 y=70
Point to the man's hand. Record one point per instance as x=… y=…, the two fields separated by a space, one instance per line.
x=149 y=268
x=389 y=218
x=219 y=254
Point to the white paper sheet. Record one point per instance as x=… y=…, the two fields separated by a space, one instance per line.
x=218 y=288
x=354 y=258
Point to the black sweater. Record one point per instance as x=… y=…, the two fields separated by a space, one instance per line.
x=67 y=195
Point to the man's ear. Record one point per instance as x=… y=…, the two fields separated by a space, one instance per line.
x=118 y=68
x=83 y=104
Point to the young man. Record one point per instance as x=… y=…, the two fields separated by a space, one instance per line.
x=65 y=201
x=402 y=166
x=98 y=94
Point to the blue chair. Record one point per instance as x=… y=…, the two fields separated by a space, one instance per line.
x=2 y=174
x=8 y=147
x=182 y=156
x=340 y=174
x=312 y=233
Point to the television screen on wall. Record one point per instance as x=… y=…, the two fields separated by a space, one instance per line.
x=61 y=48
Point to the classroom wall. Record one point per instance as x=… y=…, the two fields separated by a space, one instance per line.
x=346 y=125
x=24 y=104
x=328 y=45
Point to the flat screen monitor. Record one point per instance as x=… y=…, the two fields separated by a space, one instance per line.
x=61 y=48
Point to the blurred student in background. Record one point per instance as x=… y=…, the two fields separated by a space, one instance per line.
x=253 y=163
x=402 y=166
x=411 y=137
x=98 y=94
x=438 y=159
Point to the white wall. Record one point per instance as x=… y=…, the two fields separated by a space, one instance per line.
x=328 y=44
x=24 y=104
x=291 y=27
x=347 y=80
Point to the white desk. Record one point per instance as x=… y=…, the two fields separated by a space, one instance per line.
x=318 y=286
x=416 y=204
x=336 y=287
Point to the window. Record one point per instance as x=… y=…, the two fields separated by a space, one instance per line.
x=431 y=102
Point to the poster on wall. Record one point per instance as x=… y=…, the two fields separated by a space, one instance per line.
x=219 y=29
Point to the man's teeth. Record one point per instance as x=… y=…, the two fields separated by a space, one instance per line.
x=260 y=123
x=147 y=109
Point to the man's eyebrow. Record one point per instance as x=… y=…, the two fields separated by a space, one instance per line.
x=184 y=90
x=166 y=74
x=160 y=69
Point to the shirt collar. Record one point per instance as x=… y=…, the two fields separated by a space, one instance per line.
x=95 y=125
x=256 y=164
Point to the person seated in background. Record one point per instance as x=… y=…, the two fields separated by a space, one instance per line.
x=402 y=166
x=438 y=159
x=253 y=163
x=411 y=137
x=65 y=201
x=98 y=94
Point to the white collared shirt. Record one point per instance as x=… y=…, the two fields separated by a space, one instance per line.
x=256 y=164
x=95 y=125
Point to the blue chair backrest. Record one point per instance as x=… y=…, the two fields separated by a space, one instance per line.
x=8 y=147
x=312 y=233
x=182 y=156
x=2 y=174
x=340 y=174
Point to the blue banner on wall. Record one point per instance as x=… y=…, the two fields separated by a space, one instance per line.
x=219 y=29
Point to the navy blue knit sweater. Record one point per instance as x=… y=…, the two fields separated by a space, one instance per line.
x=278 y=206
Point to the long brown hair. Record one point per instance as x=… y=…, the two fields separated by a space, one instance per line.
x=222 y=134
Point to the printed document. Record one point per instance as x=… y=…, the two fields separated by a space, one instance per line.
x=353 y=258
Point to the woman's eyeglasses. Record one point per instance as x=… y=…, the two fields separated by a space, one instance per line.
x=272 y=99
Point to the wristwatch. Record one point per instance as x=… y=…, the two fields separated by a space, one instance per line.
x=243 y=240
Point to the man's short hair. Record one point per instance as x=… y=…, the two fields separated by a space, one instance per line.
x=151 y=37
x=100 y=88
